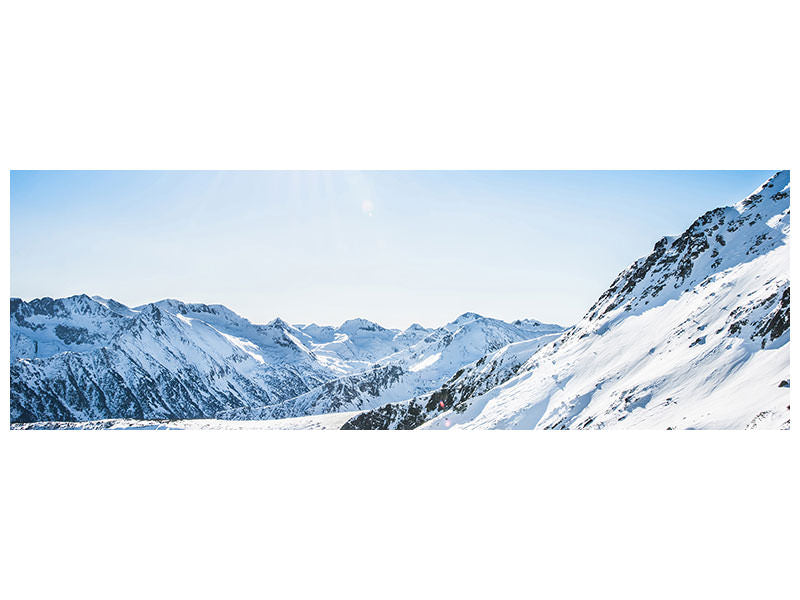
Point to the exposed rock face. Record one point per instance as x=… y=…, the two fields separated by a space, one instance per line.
x=718 y=240
x=475 y=378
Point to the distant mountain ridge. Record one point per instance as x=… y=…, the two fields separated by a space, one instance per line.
x=420 y=367
x=83 y=358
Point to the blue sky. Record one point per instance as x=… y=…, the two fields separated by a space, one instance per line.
x=395 y=247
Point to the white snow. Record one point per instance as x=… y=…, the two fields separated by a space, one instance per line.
x=425 y=363
x=313 y=422
x=248 y=347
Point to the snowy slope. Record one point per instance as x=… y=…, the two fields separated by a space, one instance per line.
x=695 y=335
x=410 y=372
x=470 y=380
x=329 y=421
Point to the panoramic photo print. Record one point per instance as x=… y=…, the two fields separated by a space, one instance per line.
x=440 y=300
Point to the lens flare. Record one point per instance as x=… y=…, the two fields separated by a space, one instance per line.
x=367 y=207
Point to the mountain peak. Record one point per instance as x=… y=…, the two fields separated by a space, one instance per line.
x=79 y=304
x=776 y=188
x=529 y=322
x=115 y=306
x=466 y=317
x=353 y=325
x=279 y=323
x=169 y=305
x=715 y=241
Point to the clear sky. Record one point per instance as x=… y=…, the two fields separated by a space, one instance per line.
x=394 y=247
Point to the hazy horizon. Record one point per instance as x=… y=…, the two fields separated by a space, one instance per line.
x=395 y=247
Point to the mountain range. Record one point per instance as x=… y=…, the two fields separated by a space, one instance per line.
x=84 y=358
x=693 y=335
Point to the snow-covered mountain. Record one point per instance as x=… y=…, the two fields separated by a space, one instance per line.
x=162 y=365
x=694 y=335
x=420 y=368
x=471 y=379
x=44 y=327
x=82 y=358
